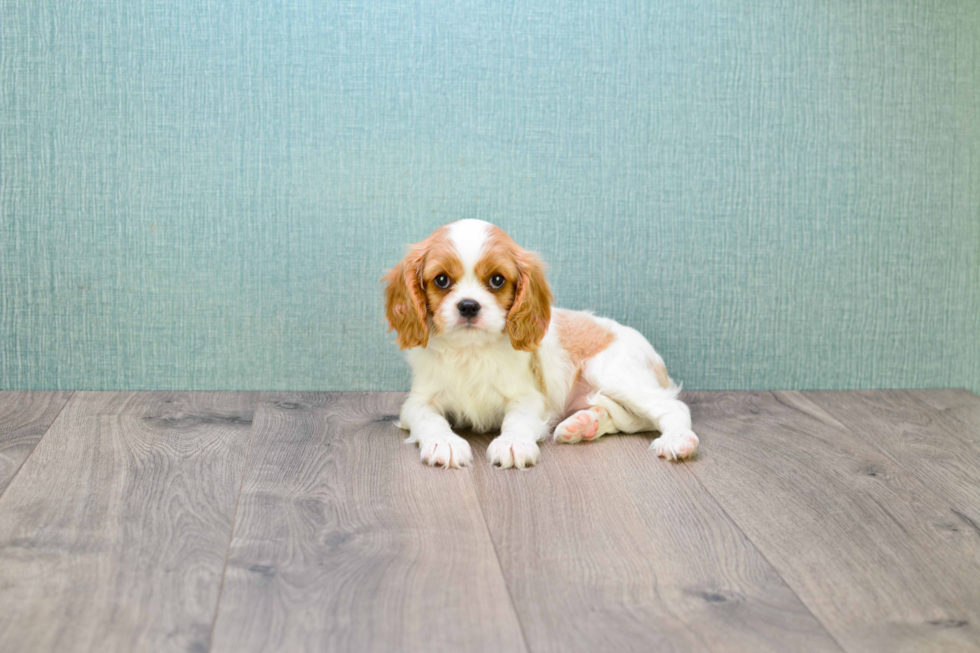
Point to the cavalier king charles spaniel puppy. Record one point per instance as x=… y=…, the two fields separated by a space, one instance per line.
x=488 y=351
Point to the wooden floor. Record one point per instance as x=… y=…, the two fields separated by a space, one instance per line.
x=238 y=522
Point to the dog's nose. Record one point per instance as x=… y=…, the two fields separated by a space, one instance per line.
x=468 y=308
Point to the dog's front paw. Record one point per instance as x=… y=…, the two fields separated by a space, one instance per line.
x=510 y=452
x=676 y=445
x=446 y=451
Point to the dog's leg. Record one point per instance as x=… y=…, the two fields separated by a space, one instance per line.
x=524 y=426
x=439 y=446
x=645 y=406
x=673 y=420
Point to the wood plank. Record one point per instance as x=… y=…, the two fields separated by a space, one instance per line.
x=24 y=418
x=859 y=539
x=605 y=547
x=346 y=542
x=933 y=445
x=958 y=408
x=114 y=533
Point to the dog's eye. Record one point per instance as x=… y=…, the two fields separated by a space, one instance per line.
x=497 y=281
x=442 y=281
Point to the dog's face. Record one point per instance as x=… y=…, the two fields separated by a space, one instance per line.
x=468 y=278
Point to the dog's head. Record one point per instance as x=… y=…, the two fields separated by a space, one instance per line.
x=467 y=279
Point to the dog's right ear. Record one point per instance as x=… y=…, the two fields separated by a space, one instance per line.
x=405 y=305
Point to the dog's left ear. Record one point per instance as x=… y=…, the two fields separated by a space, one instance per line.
x=529 y=316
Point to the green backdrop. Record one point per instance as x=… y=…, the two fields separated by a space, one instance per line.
x=204 y=196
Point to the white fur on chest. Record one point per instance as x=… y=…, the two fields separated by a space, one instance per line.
x=471 y=379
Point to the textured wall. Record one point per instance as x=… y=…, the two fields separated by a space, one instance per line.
x=204 y=195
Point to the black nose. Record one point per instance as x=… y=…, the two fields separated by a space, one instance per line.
x=468 y=308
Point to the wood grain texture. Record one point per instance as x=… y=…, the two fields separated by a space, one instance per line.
x=809 y=521
x=346 y=542
x=114 y=533
x=958 y=409
x=938 y=447
x=24 y=419
x=605 y=547
x=863 y=542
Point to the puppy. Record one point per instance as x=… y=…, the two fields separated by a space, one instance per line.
x=488 y=351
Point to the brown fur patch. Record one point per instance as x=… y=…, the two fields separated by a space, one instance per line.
x=660 y=370
x=411 y=296
x=499 y=257
x=529 y=308
x=581 y=336
x=405 y=302
x=538 y=373
x=440 y=258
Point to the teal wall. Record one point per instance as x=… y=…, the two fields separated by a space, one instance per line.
x=204 y=195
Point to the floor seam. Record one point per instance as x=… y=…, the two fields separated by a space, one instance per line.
x=13 y=478
x=496 y=554
x=761 y=553
x=234 y=523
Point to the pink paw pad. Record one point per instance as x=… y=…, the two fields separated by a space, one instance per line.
x=583 y=425
x=592 y=430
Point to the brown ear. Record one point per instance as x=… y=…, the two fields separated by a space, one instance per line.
x=528 y=318
x=405 y=305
